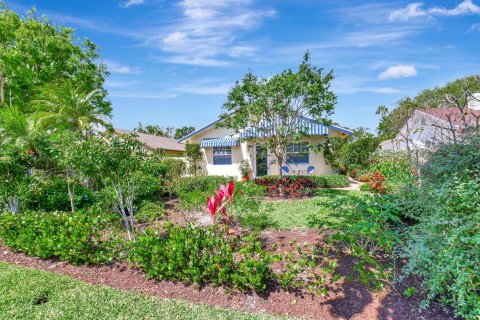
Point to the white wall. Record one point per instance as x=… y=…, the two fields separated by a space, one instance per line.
x=247 y=151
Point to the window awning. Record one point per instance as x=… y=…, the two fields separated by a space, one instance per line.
x=301 y=125
x=220 y=142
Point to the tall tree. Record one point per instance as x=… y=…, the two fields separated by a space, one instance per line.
x=155 y=130
x=182 y=132
x=61 y=105
x=274 y=105
x=34 y=52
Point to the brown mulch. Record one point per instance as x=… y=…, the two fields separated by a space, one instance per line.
x=347 y=300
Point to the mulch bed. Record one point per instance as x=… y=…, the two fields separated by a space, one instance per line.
x=347 y=300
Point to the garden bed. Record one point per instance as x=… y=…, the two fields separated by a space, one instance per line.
x=347 y=300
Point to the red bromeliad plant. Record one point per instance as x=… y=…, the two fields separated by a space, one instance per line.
x=216 y=204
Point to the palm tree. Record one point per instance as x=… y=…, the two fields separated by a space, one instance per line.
x=65 y=106
x=19 y=129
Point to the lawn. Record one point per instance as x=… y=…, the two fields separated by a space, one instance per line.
x=292 y=214
x=34 y=294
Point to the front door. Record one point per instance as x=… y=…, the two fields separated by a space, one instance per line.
x=261 y=163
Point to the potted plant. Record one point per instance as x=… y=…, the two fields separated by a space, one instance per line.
x=245 y=170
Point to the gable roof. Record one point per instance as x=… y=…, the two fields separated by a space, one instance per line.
x=314 y=123
x=454 y=114
x=155 y=142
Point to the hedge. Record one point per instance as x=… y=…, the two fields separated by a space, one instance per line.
x=324 y=181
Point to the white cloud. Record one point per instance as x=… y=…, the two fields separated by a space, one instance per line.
x=196 y=61
x=474 y=27
x=130 y=3
x=400 y=71
x=208 y=30
x=415 y=10
x=114 y=67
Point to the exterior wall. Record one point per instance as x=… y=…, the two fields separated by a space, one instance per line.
x=316 y=160
x=247 y=151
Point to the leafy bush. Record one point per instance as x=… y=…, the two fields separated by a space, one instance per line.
x=173 y=168
x=150 y=211
x=203 y=256
x=370 y=233
x=442 y=248
x=77 y=237
x=395 y=166
x=52 y=195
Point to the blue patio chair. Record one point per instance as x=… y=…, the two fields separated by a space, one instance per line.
x=311 y=170
x=285 y=169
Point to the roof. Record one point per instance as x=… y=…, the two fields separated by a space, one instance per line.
x=454 y=114
x=155 y=142
x=315 y=128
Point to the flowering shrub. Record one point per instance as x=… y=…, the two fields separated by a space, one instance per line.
x=297 y=186
x=376 y=184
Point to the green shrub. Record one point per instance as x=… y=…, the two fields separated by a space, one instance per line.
x=52 y=195
x=443 y=249
x=203 y=256
x=173 y=168
x=150 y=212
x=370 y=233
x=443 y=246
x=75 y=237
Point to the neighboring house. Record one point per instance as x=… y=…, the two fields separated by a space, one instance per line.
x=168 y=145
x=224 y=149
x=428 y=128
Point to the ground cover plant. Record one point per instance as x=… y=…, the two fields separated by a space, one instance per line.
x=77 y=237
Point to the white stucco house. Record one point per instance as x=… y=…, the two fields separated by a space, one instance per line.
x=224 y=149
x=428 y=128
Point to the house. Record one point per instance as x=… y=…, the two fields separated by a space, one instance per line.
x=428 y=128
x=168 y=145
x=224 y=149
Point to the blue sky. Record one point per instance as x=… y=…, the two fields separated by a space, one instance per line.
x=173 y=61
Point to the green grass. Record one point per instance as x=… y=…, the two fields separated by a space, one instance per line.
x=292 y=214
x=34 y=294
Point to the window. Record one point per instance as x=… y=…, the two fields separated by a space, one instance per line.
x=298 y=153
x=222 y=155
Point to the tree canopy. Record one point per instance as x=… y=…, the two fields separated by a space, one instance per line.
x=35 y=52
x=280 y=101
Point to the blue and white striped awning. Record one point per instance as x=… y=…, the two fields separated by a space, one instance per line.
x=303 y=125
x=220 y=142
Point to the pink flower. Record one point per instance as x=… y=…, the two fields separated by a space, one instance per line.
x=220 y=195
x=228 y=191
x=214 y=206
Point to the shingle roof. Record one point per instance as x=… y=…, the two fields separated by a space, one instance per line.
x=455 y=115
x=155 y=142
